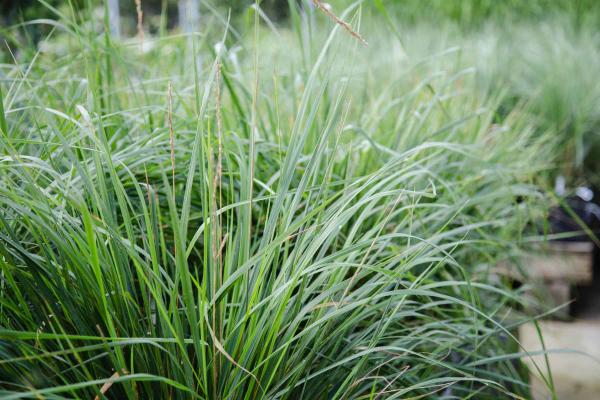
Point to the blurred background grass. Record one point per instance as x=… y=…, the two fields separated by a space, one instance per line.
x=542 y=54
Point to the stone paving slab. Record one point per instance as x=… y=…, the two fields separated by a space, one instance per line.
x=576 y=376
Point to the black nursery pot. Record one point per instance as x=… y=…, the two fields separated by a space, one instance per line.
x=561 y=219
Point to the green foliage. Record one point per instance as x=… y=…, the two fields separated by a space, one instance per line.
x=474 y=13
x=295 y=217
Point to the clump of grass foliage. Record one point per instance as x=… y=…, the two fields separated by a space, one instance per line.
x=286 y=214
x=541 y=53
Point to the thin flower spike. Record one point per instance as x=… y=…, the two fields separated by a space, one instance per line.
x=326 y=9
x=171 y=134
x=140 y=18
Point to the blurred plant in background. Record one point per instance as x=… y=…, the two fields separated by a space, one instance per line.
x=533 y=50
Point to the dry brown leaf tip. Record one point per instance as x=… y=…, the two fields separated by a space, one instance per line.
x=110 y=382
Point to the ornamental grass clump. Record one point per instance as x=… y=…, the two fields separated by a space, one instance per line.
x=256 y=228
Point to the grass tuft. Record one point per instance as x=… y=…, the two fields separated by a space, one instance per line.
x=324 y=224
